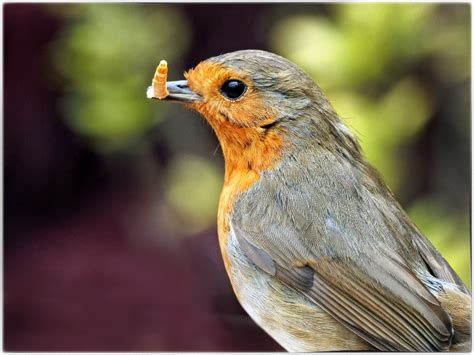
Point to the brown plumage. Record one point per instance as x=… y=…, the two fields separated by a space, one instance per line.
x=318 y=250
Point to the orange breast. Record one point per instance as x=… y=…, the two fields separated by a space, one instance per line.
x=236 y=182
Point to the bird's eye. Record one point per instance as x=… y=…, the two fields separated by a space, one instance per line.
x=233 y=89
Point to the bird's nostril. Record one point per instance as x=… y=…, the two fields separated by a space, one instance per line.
x=183 y=86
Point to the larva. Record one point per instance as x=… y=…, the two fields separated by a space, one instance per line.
x=159 y=80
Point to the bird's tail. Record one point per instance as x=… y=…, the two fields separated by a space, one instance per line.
x=458 y=306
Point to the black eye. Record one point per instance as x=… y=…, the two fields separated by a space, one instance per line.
x=233 y=89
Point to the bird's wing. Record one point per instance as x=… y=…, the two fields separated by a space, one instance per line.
x=352 y=266
x=382 y=301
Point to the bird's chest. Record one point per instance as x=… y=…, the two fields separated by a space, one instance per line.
x=250 y=284
x=259 y=294
x=255 y=290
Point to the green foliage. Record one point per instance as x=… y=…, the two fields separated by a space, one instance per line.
x=108 y=55
x=195 y=204
x=366 y=44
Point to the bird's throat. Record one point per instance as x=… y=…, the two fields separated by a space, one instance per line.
x=248 y=149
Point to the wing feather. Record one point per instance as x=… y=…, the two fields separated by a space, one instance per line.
x=384 y=303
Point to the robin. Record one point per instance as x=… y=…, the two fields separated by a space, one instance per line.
x=318 y=251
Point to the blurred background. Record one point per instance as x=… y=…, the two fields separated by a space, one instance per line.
x=110 y=199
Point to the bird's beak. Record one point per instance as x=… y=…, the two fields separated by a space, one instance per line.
x=179 y=91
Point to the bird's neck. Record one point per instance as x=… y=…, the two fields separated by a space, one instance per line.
x=248 y=150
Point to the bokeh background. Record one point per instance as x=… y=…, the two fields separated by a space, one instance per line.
x=110 y=199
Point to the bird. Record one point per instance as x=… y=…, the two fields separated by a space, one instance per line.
x=318 y=251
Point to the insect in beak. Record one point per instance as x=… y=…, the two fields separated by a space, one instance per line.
x=177 y=91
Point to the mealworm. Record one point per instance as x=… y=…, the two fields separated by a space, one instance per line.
x=159 y=80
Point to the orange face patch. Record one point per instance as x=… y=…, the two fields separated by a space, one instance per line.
x=250 y=110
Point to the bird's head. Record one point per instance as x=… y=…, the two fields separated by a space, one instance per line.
x=254 y=100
